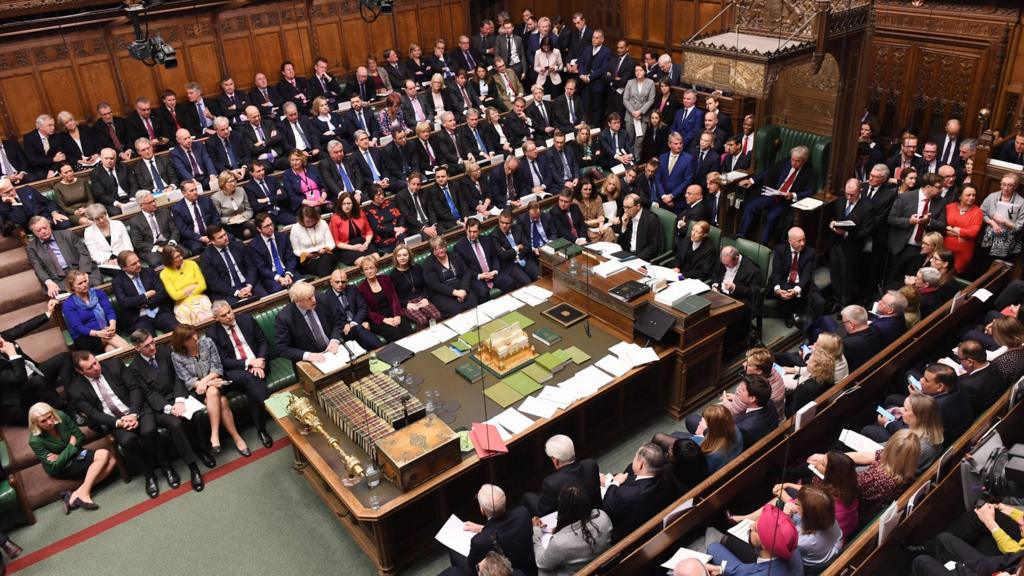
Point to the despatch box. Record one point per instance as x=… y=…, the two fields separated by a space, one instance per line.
x=418 y=452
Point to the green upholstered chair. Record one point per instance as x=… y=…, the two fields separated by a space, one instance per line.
x=14 y=508
x=668 y=227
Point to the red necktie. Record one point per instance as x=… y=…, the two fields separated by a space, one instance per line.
x=920 y=229
x=745 y=139
x=149 y=128
x=175 y=117
x=238 y=343
x=792 y=269
x=789 y=181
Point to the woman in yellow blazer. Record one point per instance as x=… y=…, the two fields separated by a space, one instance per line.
x=185 y=284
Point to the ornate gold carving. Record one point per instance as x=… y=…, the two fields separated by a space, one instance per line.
x=776 y=17
x=827 y=80
x=746 y=78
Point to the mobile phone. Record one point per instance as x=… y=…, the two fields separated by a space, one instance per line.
x=886 y=414
x=82 y=454
x=913 y=381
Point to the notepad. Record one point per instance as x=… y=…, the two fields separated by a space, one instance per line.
x=522 y=383
x=538 y=407
x=454 y=535
x=503 y=394
x=513 y=317
x=537 y=372
x=445 y=354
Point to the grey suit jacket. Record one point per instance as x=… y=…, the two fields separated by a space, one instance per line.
x=501 y=49
x=142 y=235
x=632 y=99
x=902 y=209
x=75 y=254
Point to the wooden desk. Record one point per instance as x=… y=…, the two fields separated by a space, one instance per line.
x=403 y=527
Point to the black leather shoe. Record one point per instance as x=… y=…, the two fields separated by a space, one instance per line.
x=207 y=459
x=197 y=478
x=11 y=549
x=152 y=489
x=918 y=549
x=66 y=497
x=244 y=451
x=171 y=475
x=266 y=439
x=80 y=419
x=216 y=449
x=788 y=322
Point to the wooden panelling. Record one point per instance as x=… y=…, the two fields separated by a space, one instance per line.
x=39 y=74
x=633 y=23
x=657 y=21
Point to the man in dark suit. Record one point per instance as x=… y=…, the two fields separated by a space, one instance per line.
x=261 y=140
x=112 y=404
x=689 y=120
x=141 y=298
x=191 y=161
x=859 y=340
x=567 y=219
x=154 y=173
x=737 y=276
x=949 y=190
x=673 y=175
x=538 y=227
x=633 y=498
x=266 y=195
x=264 y=97
x=719 y=135
x=192 y=216
x=361 y=117
x=881 y=195
x=949 y=141
x=466 y=57
x=792 y=279
x=340 y=173
x=396 y=74
x=20 y=206
x=666 y=69
x=416 y=107
x=368 y=164
x=231 y=103
x=326 y=86
x=346 y=305
x=271 y=257
x=229 y=275
x=981 y=382
x=142 y=123
x=621 y=70
x=569 y=109
x=449 y=205
x=480 y=256
x=24 y=381
x=535 y=170
x=41 y=148
x=245 y=356
x=705 y=159
x=761 y=416
x=110 y=182
x=541 y=114
x=163 y=396
x=299 y=133
x=941 y=383
x=794 y=179
x=304 y=330
x=594 y=63
x=113 y=130
x=913 y=213
x=512 y=249
x=1012 y=150
x=509 y=48
x=399 y=160
x=583 y=473
x=695 y=210
x=565 y=171
x=430 y=151
x=293 y=88
x=848 y=242
x=616 y=145
x=198 y=113
x=507 y=531
x=226 y=151
x=734 y=158
x=906 y=157
x=889 y=323
x=417 y=208
x=13 y=163
x=53 y=253
x=581 y=39
x=641 y=232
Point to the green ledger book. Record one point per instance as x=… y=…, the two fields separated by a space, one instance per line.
x=470 y=371
x=536 y=372
x=522 y=383
x=503 y=394
x=547 y=336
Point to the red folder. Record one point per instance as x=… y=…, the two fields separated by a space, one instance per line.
x=486 y=440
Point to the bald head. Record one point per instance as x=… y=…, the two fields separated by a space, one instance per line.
x=689 y=567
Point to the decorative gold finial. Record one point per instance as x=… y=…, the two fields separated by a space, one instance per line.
x=302 y=410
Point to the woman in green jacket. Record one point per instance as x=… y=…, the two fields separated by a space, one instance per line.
x=59 y=445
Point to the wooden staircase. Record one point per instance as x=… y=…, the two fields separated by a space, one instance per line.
x=22 y=297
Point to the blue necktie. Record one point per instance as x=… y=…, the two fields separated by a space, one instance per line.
x=344 y=178
x=232 y=271
x=373 y=167
x=512 y=243
x=362 y=121
x=480 y=142
x=538 y=237
x=278 y=266
x=231 y=155
x=158 y=183
x=451 y=204
x=142 y=290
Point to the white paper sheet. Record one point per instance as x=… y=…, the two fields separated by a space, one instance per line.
x=592 y=375
x=858 y=442
x=333 y=362
x=608 y=268
x=610 y=209
x=683 y=554
x=981 y=294
x=742 y=530
x=512 y=420
x=537 y=407
x=192 y=405
x=462 y=323
x=607 y=482
x=558 y=396
x=454 y=536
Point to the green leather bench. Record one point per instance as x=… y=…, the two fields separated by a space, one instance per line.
x=14 y=510
x=668 y=227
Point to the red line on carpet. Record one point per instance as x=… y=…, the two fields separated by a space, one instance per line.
x=139 y=509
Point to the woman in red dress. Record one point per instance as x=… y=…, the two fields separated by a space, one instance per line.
x=963 y=224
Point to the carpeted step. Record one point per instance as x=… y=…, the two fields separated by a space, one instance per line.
x=21 y=290
x=14 y=317
x=13 y=261
x=44 y=344
x=10 y=243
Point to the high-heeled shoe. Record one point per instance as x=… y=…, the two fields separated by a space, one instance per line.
x=216 y=449
x=68 y=506
x=79 y=503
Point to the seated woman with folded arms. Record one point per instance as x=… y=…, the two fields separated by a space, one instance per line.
x=90 y=317
x=387 y=318
x=185 y=284
x=60 y=446
x=197 y=364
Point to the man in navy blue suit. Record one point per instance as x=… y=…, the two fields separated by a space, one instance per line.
x=229 y=276
x=362 y=118
x=192 y=215
x=889 y=323
x=594 y=61
x=538 y=227
x=18 y=206
x=266 y=195
x=792 y=178
x=191 y=161
x=512 y=249
x=535 y=170
x=705 y=159
x=675 y=173
x=346 y=305
x=615 y=143
x=761 y=417
x=479 y=254
x=689 y=120
x=13 y=163
x=226 y=150
x=633 y=498
x=270 y=255
x=564 y=169
x=666 y=69
x=305 y=330
x=141 y=297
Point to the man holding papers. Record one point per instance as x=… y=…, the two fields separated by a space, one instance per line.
x=783 y=184
x=851 y=228
x=633 y=498
x=568 y=471
x=303 y=330
x=510 y=531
